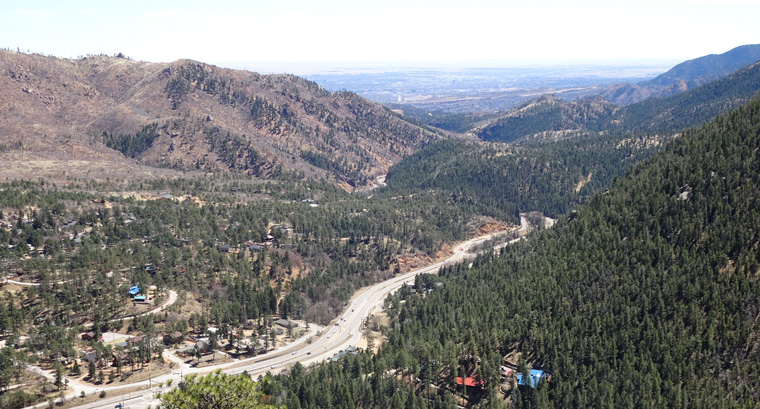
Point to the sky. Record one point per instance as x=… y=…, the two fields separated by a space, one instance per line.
x=291 y=33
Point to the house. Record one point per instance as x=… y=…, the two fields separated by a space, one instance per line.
x=286 y=324
x=203 y=346
x=165 y=197
x=506 y=371
x=185 y=351
x=132 y=342
x=89 y=355
x=534 y=377
x=140 y=299
x=254 y=247
x=350 y=350
x=258 y=350
x=122 y=357
x=468 y=381
x=173 y=338
x=278 y=331
x=88 y=336
x=225 y=248
x=134 y=290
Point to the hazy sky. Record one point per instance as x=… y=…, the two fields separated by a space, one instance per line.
x=387 y=31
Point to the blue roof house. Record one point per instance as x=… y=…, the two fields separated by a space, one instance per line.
x=134 y=290
x=535 y=376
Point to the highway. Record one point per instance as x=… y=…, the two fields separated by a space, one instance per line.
x=345 y=330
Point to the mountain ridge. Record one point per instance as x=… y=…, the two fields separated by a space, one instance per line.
x=684 y=76
x=648 y=295
x=282 y=120
x=552 y=118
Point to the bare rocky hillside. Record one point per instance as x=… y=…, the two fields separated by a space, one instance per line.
x=188 y=115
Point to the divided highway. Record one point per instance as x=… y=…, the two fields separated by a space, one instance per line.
x=346 y=329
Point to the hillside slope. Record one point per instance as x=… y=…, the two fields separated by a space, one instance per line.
x=189 y=115
x=648 y=298
x=545 y=114
x=503 y=181
x=687 y=109
x=685 y=76
x=549 y=117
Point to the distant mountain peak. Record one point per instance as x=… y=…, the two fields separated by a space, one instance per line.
x=685 y=76
x=551 y=117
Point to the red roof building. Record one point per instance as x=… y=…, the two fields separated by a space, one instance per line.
x=468 y=381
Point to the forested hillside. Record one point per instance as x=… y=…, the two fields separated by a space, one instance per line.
x=685 y=76
x=646 y=296
x=454 y=122
x=649 y=297
x=237 y=252
x=548 y=117
x=317 y=256
x=687 y=109
x=545 y=114
x=503 y=181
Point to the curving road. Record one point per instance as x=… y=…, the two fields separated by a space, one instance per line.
x=342 y=332
x=171 y=300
